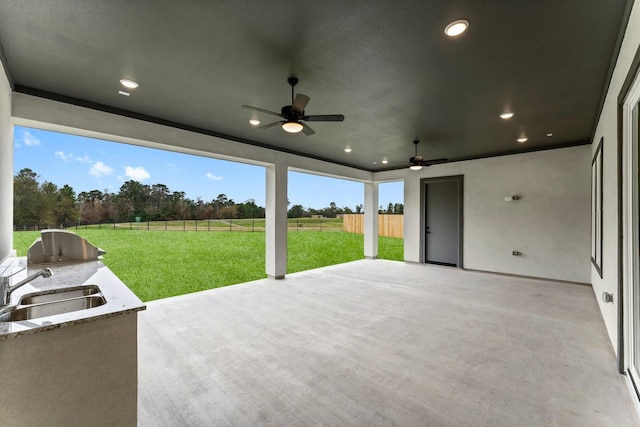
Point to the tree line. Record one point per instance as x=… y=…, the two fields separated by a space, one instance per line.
x=44 y=204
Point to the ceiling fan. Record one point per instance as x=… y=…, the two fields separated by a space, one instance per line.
x=293 y=114
x=417 y=162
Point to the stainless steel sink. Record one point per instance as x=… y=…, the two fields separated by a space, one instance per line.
x=59 y=294
x=50 y=303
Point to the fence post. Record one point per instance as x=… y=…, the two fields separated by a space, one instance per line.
x=253 y=224
x=229 y=225
x=320 y=225
x=184 y=224
x=209 y=224
x=196 y=225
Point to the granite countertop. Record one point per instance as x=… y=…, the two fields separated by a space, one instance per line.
x=119 y=298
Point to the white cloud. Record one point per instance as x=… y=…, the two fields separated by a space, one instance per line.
x=137 y=173
x=62 y=156
x=99 y=169
x=83 y=159
x=67 y=157
x=213 y=177
x=29 y=140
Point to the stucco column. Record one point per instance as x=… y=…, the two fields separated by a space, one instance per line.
x=371 y=220
x=276 y=218
x=412 y=215
x=6 y=168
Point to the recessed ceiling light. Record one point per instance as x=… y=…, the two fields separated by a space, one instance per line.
x=254 y=122
x=347 y=150
x=506 y=115
x=121 y=92
x=385 y=161
x=523 y=139
x=129 y=83
x=456 y=27
x=375 y=163
x=549 y=134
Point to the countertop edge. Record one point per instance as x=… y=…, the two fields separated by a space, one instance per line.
x=67 y=323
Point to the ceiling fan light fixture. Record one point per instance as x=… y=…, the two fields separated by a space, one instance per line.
x=292 y=127
x=456 y=27
x=415 y=167
x=347 y=150
x=506 y=116
x=254 y=122
x=522 y=139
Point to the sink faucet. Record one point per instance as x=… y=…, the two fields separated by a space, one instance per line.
x=6 y=289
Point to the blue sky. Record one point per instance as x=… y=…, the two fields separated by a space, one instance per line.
x=91 y=164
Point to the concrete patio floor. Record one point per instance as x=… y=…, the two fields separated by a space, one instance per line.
x=381 y=343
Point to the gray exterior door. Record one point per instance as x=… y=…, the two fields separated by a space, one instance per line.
x=443 y=222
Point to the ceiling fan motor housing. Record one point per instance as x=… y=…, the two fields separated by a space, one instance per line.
x=289 y=114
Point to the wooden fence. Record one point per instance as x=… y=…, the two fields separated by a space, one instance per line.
x=389 y=225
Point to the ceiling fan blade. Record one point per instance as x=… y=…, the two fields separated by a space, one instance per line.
x=273 y=113
x=433 y=162
x=324 y=118
x=270 y=125
x=300 y=103
x=307 y=130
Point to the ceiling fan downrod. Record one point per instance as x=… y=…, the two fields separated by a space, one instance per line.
x=293 y=81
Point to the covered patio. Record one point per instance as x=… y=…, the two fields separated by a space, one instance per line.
x=377 y=342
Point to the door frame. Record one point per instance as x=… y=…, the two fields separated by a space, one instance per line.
x=459 y=179
x=627 y=210
x=628 y=311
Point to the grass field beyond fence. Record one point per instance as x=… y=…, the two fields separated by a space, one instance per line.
x=160 y=265
x=210 y=225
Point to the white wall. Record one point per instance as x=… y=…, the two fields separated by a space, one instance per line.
x=6 y=168
x=607 y=128
x=550 y=225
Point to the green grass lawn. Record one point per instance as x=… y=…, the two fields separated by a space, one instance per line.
x=162 y=264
